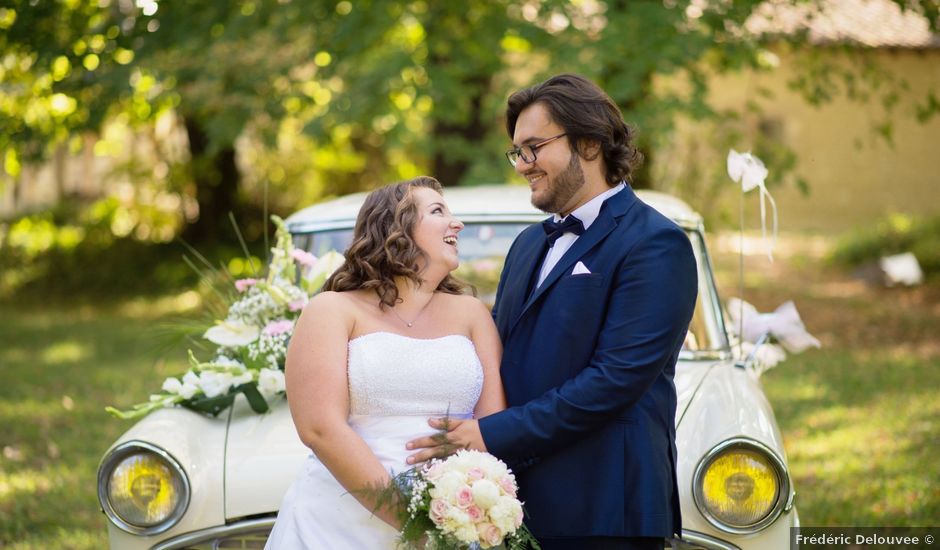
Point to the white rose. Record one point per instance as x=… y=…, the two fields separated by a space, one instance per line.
x=187 y=391
x=214 y=383
x=270 y=382
x=504 y=513
x=190 y=386
x=455 y=519
x=493 y=467
x=172 y=385
x=447 y=485
x=242 y=378
x=485 y=493
x=466 y=533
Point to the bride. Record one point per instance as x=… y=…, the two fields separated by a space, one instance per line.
x=390 y=342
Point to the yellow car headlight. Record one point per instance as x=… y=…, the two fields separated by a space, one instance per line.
x=142 y=489
x=740 y=486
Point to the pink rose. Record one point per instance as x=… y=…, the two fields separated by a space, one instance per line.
x=242 y=285
x=464 y=496
x=303 y=257
x=274 y=328
x=475 y=513
x=475 y=473
x=490 y=535
x=508 y=485
x=438 y=510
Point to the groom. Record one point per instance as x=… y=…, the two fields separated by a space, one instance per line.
x=592 y=307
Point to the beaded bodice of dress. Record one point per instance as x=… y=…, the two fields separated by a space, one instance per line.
x=391 y=374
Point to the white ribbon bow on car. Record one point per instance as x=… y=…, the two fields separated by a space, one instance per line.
x=750 y=172
x=784 y=324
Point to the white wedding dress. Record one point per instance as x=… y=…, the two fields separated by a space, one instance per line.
x=395 y=384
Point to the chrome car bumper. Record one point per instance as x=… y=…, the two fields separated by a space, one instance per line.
x=246 y=534
x=693 y=540
x=253 y=533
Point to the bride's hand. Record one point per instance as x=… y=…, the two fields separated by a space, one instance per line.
x=460 y=434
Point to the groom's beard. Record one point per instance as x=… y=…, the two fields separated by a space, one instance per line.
x=561 y=188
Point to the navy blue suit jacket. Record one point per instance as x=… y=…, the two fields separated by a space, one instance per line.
x=588 y=367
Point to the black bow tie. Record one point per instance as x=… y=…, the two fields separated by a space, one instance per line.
x=554 y=230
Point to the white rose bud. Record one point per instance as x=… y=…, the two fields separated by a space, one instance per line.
x=485 y=493
x=270 y=382
x=172 y=385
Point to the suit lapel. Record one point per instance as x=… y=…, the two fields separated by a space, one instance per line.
x=612 y=209
x=526 y=263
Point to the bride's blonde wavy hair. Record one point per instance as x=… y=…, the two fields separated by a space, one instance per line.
x=383 y=245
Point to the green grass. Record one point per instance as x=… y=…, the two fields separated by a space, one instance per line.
x=861 y=432
x=860 y=417
x=60 y=366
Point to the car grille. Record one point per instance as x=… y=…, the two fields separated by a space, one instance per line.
x=249 y=534
x=244 y=541
x=248 y=541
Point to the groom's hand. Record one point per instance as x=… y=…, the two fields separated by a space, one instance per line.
x=458 y=434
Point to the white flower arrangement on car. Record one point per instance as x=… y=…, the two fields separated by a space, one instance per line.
x=252 y=339
x=465 y=501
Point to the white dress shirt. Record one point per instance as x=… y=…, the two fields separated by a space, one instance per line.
x=587 y=213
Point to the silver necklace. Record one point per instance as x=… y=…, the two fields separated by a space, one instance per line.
x=412 y=323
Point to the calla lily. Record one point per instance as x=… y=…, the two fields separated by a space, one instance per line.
x=232 y=334
x=322 y=269
x=279 y=295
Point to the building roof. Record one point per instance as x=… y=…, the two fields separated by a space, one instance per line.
x=872 y=23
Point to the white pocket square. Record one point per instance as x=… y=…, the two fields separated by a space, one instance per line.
x=580 y=269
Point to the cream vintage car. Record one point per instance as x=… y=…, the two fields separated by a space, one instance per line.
x=181 y=480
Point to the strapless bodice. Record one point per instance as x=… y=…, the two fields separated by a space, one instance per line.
x=395 y=384
x=393 y=375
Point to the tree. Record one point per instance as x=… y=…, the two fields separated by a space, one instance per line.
x=382 y=90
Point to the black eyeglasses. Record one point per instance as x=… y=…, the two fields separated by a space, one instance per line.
x=527 y=152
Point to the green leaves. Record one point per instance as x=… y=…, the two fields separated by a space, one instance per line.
x=329 y=97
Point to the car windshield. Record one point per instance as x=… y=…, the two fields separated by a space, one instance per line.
x=483 y=247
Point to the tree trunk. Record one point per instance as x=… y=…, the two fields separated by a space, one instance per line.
x=450 y=166
x=216 y=178
x=59 y=169
x=89 y=187
x=641 y=177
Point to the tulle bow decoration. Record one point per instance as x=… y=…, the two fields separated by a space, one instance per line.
x=750 y=172
x=784 y=324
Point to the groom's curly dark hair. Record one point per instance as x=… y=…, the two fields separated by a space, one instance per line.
x=383 y=245
x=589 y=117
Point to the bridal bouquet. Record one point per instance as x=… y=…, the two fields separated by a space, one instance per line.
x=252 y=339
x=465 y=501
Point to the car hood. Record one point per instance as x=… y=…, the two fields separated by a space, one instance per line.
x=689 y=377
x=264 y=454
x=262 y=457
